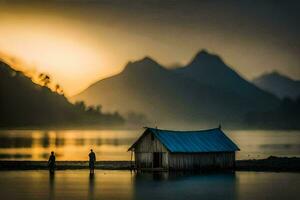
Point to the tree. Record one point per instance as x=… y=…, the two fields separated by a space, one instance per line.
x=58 y=89
x=99 y=108
x=80 y=105
x=45 y=79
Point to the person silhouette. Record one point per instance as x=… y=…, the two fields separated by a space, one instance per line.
x=51 y=162
x=92 y=160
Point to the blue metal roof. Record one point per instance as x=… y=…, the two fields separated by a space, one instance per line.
x=213 y=140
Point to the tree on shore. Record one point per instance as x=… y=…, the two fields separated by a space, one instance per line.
x=45 y=79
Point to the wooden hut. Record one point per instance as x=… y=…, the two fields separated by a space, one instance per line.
x=184 y=150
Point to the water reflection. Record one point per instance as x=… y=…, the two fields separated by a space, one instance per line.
x=17 y=156
x=185 y=185
x=69 y=145
x=79 y=142
x=113 y=144
x=15 y=142
x=91 y=186
x=45 y=140
x=280 y=146
x=123 y=185
x=51 y=186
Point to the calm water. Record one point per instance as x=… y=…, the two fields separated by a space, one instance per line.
x=77 y=184
x=113 y=145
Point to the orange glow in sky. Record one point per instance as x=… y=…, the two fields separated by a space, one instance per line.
x=55 y=50
x=79 y=44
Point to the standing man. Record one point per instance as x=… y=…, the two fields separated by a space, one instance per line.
x=51 y=162
x=92 y=161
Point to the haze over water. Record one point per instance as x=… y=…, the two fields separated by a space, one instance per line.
x=113 y=144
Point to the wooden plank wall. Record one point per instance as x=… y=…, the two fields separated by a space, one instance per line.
x=147 y=145
x=220 y=160
x=144 y=152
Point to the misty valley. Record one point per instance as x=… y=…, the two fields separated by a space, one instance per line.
x=204 y=93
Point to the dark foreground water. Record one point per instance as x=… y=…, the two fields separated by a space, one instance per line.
x=113 y=144
x=110 y=185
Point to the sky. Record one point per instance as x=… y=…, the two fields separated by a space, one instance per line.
x=78 y=42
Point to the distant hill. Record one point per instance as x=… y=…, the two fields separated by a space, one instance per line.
x=174 y=98
x=24 y=103
x=278 y=84
x=210 y=69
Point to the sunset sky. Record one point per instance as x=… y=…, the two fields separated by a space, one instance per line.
x=79 y=42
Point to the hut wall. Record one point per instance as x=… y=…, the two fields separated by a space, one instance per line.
x=144 y=152
x=221 y=160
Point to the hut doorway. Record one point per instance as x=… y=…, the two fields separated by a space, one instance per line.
x=157 y=160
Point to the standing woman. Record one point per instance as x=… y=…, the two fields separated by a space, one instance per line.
x=92 y=160
x=51 y=162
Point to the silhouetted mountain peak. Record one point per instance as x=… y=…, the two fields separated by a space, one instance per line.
x=274 y=75
x=148 y=60
x=210 y=69
x=278 y=84
x=145 y=64
x=206 y=59
x=202 y=52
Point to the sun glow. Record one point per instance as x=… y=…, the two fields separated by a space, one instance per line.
x=80 y=43
x=53 y=48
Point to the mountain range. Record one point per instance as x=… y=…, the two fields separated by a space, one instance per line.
x=278 y=84
x=24 y=103
x=205 y=92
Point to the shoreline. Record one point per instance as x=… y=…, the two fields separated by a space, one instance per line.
x=270 y=164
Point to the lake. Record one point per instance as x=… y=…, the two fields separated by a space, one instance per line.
x=113 y=144
x=119 y=185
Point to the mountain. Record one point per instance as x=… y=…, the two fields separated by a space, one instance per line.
x=211 y=70
x=278 y=84
x=170 y=98
x=24 y=103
